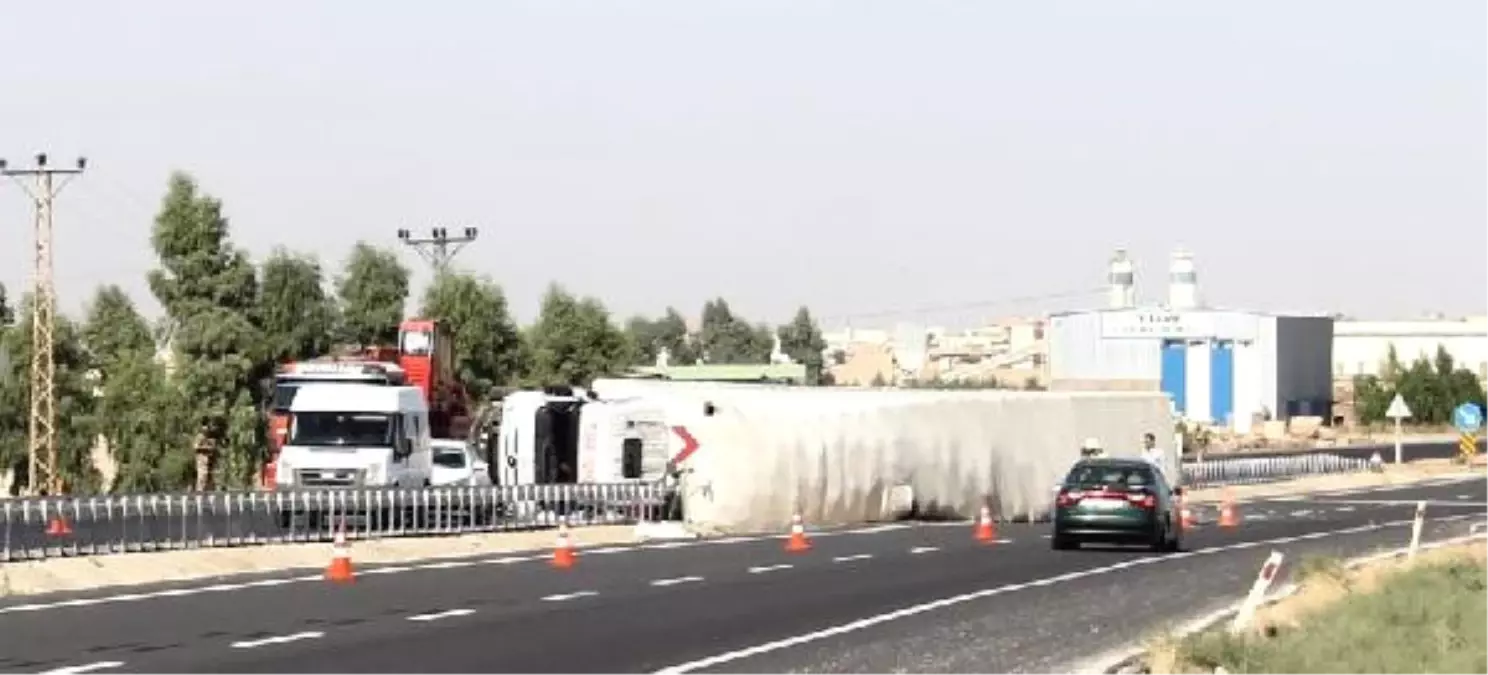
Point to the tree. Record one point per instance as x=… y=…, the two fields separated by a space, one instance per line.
x=74 y=396
x=114 y=329
x=373 y=291
x=728 y=339
x=7 y=316
x=209 y=290
x=668 y=333
x=487 y=343
x=802 y=341
x=295 y=313
x=573 y=340
x=1432 y=388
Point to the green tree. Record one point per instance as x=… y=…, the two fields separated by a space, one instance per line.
x=667 y=333
x=573 y=340
x=295 y=313
x=373 y=292
x=73 y=392
x=729 y=339
x=138 y=411
x=487 y=343
x=7 y=315
x=1433 y=388
x=802 y=341
x=209 y=289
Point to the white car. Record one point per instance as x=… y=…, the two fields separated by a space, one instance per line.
x=456 y=464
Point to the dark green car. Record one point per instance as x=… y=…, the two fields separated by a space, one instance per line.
x=1117 y=501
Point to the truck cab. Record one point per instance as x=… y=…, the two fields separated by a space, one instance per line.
x=568 y=435
x=355 y=435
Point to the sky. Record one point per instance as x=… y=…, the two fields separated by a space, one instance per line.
x=879 y=162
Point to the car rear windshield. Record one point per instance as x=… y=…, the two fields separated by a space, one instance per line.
x=1116 y=476
x=450 y=459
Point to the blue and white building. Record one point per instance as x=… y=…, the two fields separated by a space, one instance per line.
x=1218 y=366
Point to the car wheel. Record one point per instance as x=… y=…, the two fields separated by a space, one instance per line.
x=1176 y=543
x=1160 y=543
x=1062 y=543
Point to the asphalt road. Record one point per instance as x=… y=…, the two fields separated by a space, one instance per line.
x=105 y=525
x=1408 y=451
x=898 y=597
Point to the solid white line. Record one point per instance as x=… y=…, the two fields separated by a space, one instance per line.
x=607 y=549
x=879 y=528
x=447 y=565
x=278 y=639
x=923 y=549
x=85 y=668
x=850 y=558
x=442 y=615
x=913 y=610
x=568 y=596
x=669 y=545
x=675 y=581
x=769 y=568
x=1406 y=502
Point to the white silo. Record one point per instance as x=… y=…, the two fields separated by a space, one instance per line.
x=1122 y=281
x=1183 y=283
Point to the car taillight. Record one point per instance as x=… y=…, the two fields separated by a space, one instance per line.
x=1145 y=501
x=1068 y=497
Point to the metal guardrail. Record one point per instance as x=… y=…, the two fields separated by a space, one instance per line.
x=49 y=527
x=1250 y=470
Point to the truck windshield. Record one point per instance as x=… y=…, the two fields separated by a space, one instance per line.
x=337 y=429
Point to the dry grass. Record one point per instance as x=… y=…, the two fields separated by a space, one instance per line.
x=1427 y=615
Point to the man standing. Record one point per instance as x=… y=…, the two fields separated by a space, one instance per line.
x=1151 y=452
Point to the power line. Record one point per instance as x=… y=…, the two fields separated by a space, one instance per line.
x=42 y=441
x=439 y=248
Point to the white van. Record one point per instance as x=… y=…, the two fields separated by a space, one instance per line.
x=356 y=435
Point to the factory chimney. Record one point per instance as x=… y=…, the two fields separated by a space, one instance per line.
x=1122 y=281
x=1183 y=284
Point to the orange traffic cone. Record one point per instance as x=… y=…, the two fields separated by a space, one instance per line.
x=563 y=553
x=797 y=542
x=340 y=569
x=985 y=530
x=1229 y=516
x=58 y=527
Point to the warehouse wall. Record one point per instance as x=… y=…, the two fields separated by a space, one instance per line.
x=1304 y=366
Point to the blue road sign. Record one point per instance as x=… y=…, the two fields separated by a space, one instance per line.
x=1468 y=417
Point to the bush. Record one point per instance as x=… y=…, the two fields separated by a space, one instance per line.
x=1432 y=389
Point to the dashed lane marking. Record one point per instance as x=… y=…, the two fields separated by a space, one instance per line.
x=446 y=614
x=676 y=580
x=923 y=549
x=769 y=568
x=852 y=558
x=561 y=597
x=85 y=668
x=278 y=640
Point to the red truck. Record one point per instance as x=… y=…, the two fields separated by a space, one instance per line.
x=424 y=358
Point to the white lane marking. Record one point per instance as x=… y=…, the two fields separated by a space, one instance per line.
x=1464 y=496
x=435 y=616
x=913 y=610
x=509 y=560
x=1406 y=502
x=560 y=597
x=607 y=550
x=1302 y=512
x=447 y=565
x=851 y=558
x=879 y=528
x=674 y=581
x=394 y=569
x=923 y=549
x=769 y=568
x=669 y=545
x=278 y=639
x=734 y=540
x=84 y=668
x=1344 y=509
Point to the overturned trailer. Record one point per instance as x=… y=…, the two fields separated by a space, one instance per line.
x=840 y=455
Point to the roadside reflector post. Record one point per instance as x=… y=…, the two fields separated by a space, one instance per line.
x=1257 y=593
x=1420 y=521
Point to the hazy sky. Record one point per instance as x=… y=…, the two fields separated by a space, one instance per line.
x=853 y=156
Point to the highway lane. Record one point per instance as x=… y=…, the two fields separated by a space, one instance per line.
x=633 y=610
x=1410 y=451
x=179 y=521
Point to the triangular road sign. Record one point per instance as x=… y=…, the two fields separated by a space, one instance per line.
x=1398 y=409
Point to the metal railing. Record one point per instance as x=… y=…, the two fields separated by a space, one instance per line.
x=1249 y=470
x=48 y=527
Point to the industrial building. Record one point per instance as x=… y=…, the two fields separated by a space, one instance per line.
x=1222 y=367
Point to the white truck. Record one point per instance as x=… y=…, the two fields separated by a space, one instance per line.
x=354 y=436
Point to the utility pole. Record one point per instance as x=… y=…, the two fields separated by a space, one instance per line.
x=42 y=444
x=439 y=248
